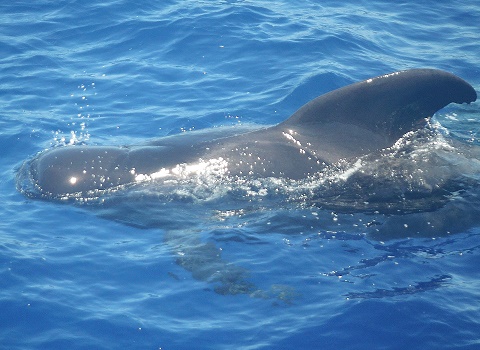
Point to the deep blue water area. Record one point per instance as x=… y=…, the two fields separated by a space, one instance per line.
x=135 y=272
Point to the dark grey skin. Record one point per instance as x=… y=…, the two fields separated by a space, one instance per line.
x=346 y=123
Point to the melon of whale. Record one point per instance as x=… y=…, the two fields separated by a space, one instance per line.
x=347 y=123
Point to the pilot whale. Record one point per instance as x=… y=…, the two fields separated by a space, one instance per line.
x=354 y=124
x=346 y=123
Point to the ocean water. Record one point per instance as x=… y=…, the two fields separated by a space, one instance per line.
x=141 y=270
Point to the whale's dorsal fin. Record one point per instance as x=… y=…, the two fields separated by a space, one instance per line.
x=389 y=105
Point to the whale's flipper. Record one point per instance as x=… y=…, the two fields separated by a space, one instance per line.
x=373 y=114
x=205 y=263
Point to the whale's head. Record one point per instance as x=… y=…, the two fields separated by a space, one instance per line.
x=75 y=171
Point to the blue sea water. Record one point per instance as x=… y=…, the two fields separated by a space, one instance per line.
x=122 y=72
